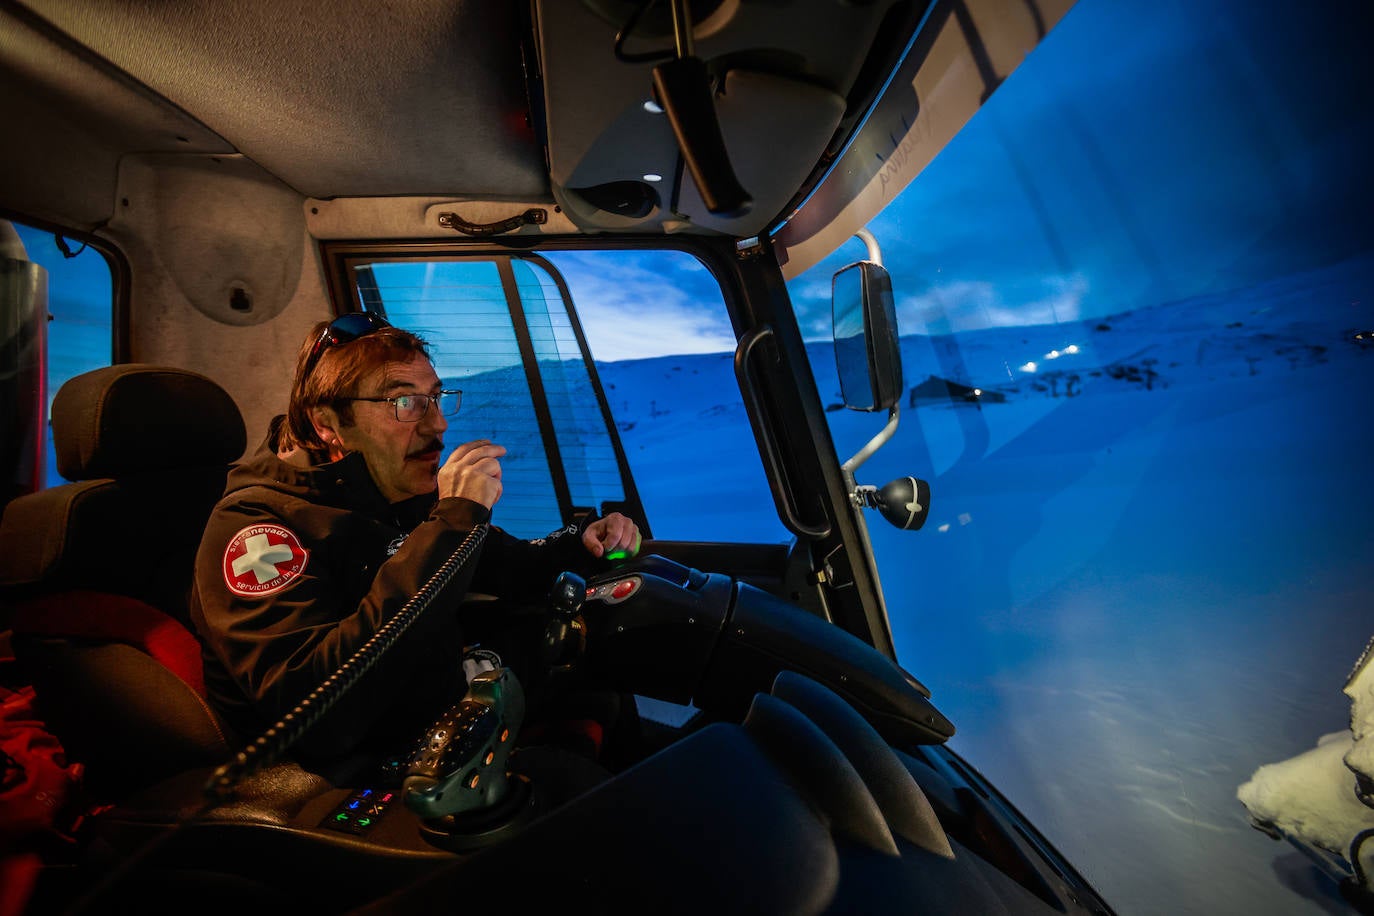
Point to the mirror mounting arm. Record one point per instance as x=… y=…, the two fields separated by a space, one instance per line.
x=875 y=254
x=877 y=442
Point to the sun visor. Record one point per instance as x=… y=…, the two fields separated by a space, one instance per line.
x=799 y=118
x=780 y=75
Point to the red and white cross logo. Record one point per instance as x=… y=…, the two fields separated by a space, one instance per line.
x=262 y=560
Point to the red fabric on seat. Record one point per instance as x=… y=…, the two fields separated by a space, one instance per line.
x=37 y=790
x=83 y=614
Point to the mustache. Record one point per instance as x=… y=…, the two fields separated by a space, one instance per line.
x=433 y=445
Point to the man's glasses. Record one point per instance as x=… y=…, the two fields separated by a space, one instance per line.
x=411 y=408
x=342 y=330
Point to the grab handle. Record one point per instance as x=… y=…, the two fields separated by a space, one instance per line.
x=782 y=495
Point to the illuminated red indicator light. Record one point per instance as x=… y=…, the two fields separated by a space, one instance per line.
x=472 y=782
x=622 y=589
x=491 y=755
x=505 y=734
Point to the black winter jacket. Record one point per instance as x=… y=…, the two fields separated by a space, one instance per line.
x=300 y=565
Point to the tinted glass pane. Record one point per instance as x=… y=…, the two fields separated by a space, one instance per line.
x=460 y=309
x=580 y=428
x=80 y=303
x=657 y=324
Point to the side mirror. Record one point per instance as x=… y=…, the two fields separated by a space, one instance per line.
x=867 y=355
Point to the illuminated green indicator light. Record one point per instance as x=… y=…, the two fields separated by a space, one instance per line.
x=341 y=817
x=364 y=821
x=616 y=555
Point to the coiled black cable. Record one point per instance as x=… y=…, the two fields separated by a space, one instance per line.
x=272 y=743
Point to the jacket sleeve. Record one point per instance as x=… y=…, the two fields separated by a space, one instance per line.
x=524 y=570
x=278 y=647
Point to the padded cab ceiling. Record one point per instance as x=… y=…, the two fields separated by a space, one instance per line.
x=783 y=72
x=345 y=99
x=427 y=100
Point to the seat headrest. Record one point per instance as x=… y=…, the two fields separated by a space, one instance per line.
x=137 y=418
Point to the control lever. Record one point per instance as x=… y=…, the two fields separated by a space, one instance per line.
x=459 y=765
x=563 y=637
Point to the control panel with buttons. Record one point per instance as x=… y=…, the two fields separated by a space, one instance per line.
x=359 y=813
x=615 y=591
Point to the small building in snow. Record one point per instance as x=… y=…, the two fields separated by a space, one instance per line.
x=936 y=390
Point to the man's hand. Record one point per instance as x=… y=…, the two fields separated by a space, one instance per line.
x=473 y=472
x=612 y=533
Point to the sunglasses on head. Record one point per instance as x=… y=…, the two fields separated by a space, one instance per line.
x=342 y=330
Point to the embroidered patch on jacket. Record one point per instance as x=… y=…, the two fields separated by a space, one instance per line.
x=263 y=560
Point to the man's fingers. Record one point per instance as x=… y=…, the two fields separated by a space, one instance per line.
x=488 y=466
x=613 y=533
x=473 y=471
x=469 y=452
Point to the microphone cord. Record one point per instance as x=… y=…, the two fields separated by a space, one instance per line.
x=272 y=743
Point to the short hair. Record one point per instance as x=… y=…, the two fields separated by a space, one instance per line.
x=335 y=376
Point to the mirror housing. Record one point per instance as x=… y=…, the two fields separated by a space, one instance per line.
x=864 y=320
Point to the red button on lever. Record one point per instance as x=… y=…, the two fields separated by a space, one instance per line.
x=623 y=588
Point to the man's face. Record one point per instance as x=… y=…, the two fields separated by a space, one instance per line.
x=402 y=457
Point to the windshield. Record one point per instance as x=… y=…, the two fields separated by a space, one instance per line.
x=1135 y=295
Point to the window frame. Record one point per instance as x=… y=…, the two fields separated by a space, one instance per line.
x=345 y=263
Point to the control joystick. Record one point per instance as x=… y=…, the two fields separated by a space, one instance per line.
x=563 y=637
x=457 y=779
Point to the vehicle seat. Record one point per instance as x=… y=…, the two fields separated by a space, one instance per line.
x=95 y=575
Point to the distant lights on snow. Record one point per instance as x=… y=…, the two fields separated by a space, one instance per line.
x=1031 y=366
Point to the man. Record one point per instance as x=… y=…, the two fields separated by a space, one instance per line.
x=338 y=521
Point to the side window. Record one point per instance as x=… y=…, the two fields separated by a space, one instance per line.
x=79 y=330
x=460 y=308
x=625 y=399
x=660 y=333
x=579 y=425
